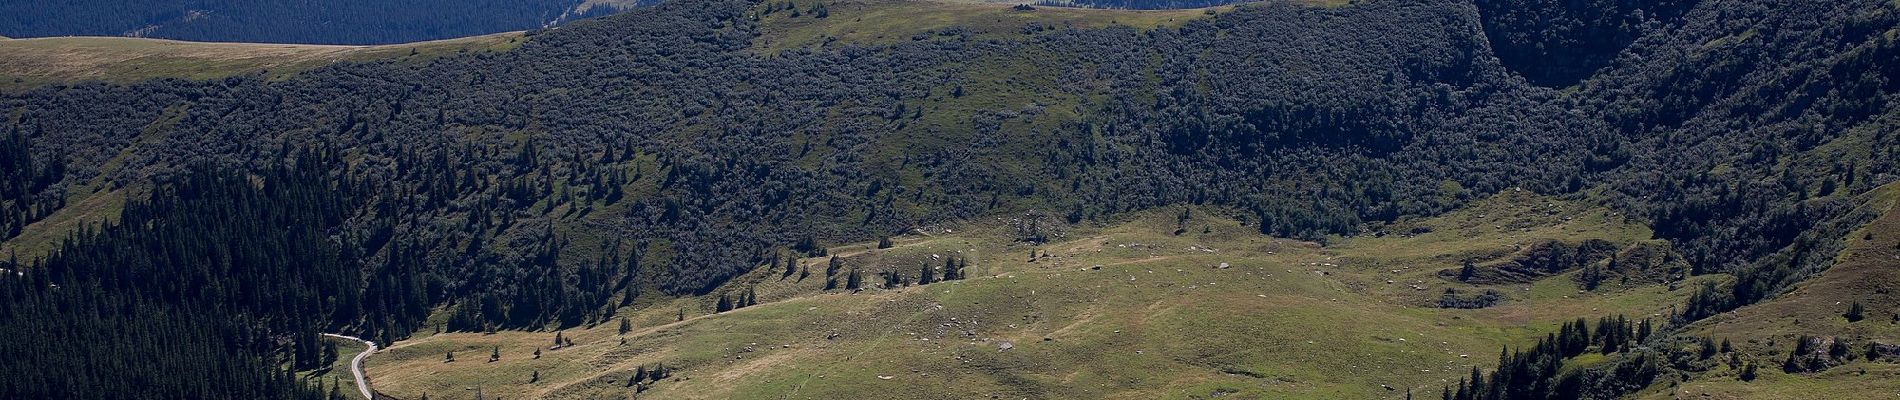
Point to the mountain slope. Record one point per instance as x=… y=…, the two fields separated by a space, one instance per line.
x=626 y=163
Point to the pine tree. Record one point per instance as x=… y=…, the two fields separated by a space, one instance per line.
x=1643 y=331
x=854 y=281
x=625 y=326
x=329 y=353
x=884 y=242
x=724 y=305
x=1839 y=351
x=450 y=357
x=1748 y=372
x=1855 y=313
x=1466 y=272
x=1477 y=382
x=926 y=275
x=819 y=11
x=495 y=355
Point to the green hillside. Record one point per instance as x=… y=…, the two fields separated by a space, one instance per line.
x=1130 y=309
x=1764 y=334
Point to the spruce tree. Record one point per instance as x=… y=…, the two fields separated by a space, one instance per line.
x=1855 y=313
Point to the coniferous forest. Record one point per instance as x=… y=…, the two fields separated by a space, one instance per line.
x=655 y=153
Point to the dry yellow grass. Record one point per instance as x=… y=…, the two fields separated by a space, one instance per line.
x=28 y=63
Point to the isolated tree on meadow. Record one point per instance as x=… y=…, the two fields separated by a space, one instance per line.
x=1839 y=351
x=1855 y=313
x=854 y=281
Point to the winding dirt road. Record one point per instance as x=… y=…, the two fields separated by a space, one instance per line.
x=356 y=364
